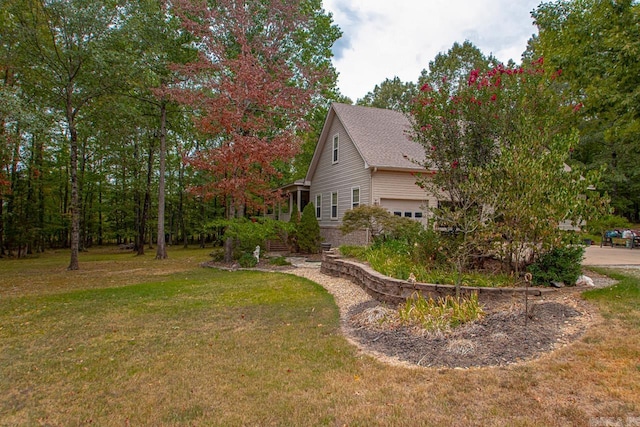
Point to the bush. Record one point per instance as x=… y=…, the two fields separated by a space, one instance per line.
x=247 y=260
x=294 y=222
x=308 y=232
x=373 y=218
x=606 y=223
x=403 y=229
x=428 y=249
x=279 y=261
x=217 y=254
x=558 y=265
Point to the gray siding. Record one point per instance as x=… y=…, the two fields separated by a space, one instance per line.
x=342 y=176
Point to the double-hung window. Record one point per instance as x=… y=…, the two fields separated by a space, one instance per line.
x=318 y=206
x=334 y=154
x=334 y=205
x=355 y=197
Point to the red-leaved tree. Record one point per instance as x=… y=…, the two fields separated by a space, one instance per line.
x=251 y=88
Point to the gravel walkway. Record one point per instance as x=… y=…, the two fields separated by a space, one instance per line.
x=346 y=293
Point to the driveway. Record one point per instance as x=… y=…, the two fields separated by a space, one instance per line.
x=595 y=255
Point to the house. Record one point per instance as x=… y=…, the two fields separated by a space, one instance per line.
x=365 y=156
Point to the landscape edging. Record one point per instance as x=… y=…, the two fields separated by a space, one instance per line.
x=394 y=291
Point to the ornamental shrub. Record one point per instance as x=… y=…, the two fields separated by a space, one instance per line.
x=308 y=231
x=558 y=265
x=441 y=314
x=247 y=260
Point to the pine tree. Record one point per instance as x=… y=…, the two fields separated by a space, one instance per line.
x=309 y=230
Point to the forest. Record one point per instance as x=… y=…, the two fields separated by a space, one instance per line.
x=142 y=122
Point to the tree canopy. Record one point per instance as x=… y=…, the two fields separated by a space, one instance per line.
x=596 y=44
x=94 y=118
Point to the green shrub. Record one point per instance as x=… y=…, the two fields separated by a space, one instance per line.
x=441 y=314
x=558 y=265
x=608 y=222
x=247 y=260
x=294 y=223
x=403 y=229
x=279 y=261
x=217 y=254
x=308 y=232
x=249 y=233
x=428 y=249
x=373 y=218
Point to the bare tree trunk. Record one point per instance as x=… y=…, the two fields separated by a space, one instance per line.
x=146 y=206
x=161 y=248
x=228 y=243
x=75 y=212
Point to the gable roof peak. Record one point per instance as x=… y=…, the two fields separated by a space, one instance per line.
x=381 y=136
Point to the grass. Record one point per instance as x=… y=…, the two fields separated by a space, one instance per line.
x=133 y=341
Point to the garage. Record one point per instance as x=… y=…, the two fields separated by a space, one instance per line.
x=412 y=209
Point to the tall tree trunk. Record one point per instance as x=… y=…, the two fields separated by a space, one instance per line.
x=161 y=250
x=142 y=225
x=75 y=205
x=137 y=201
x=40 y=195
x=228 y=243
x=100 y=219
x=181 y=221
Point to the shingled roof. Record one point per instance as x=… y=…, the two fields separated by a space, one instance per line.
x=380 y=136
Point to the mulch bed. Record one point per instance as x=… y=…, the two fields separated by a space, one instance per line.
x=505 y=335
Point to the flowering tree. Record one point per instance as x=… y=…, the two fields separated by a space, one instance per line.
x=499 y=147
x=252 y=87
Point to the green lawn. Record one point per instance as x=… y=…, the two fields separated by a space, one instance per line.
x=134 y=341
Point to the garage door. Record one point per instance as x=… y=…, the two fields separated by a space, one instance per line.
x=413 y=209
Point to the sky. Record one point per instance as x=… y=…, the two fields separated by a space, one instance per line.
x=387 y=38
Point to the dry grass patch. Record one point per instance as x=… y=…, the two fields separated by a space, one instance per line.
x=204 y=347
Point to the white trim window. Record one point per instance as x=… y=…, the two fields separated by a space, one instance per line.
x=334 y=151
x=334 y=205
x=318 y=206
x=355 y=197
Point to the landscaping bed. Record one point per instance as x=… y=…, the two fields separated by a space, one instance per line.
x=505 y=335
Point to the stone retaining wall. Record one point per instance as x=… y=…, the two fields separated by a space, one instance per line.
x=395 y=291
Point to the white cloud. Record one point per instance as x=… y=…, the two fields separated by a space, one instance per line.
x=387 y=38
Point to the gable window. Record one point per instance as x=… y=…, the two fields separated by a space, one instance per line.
x=318 y=206
x=355 y=197
x=334 y=205
x=334 y=158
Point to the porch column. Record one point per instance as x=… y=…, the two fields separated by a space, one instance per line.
x=290 y=203
x=299 y=199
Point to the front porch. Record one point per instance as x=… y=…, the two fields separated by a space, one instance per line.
x=297 y=193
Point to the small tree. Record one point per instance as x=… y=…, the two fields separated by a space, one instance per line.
x=375 y=219
x=294 y=221
x=309 y=230
x=499 y=147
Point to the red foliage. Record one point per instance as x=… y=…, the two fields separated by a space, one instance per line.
x=251 y=91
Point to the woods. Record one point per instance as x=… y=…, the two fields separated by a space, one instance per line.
x=138 y=122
